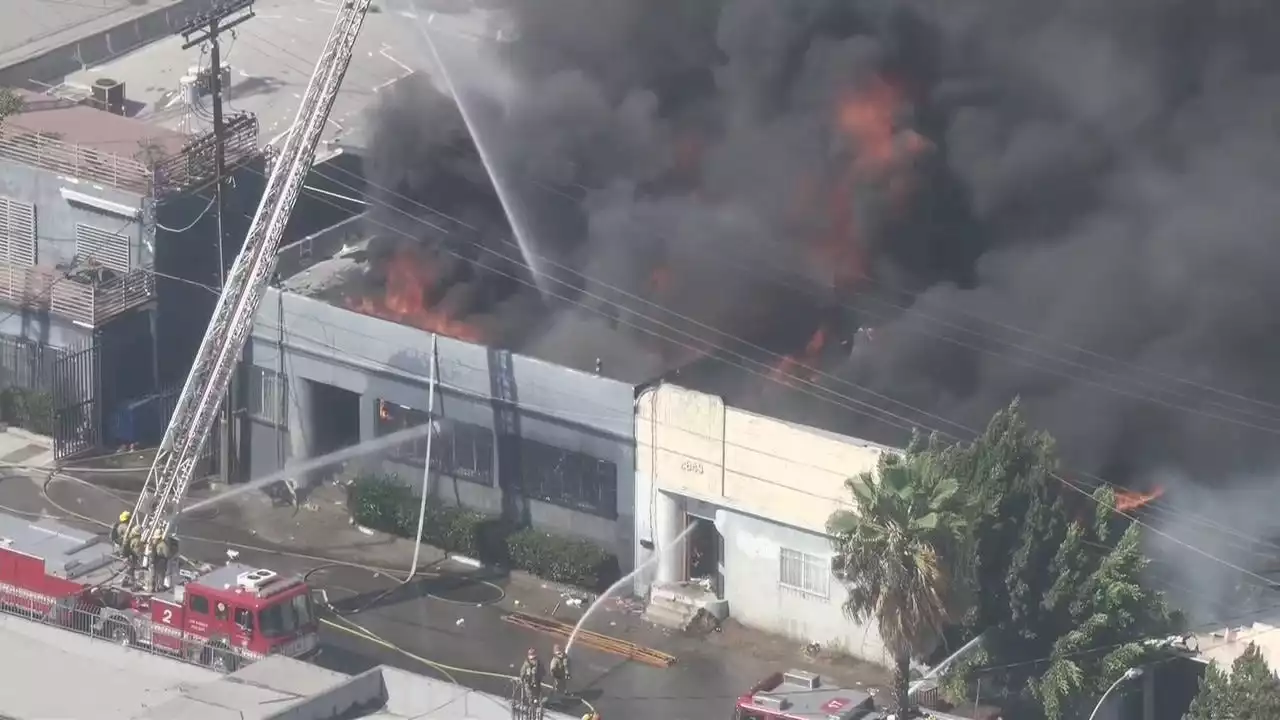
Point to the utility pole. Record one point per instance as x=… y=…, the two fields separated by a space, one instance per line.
x=207 y=28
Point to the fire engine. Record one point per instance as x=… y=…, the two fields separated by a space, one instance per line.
x=222 y=619
x=230 y=615
x=800 y=695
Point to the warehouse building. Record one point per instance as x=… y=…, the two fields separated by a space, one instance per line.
x=551 y=445
x=758 y=492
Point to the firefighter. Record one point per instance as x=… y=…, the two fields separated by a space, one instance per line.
x=559 y=668
x=137 y=550
x=160 y=556
x=531 y=675
x=119 y=530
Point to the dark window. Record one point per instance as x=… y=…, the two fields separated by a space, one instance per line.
x=244 y=618
x=220 y=611
x=460 y=449
x=200 y=604
x=571 y=479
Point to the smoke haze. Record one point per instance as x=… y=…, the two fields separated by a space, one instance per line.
x=1101 y=175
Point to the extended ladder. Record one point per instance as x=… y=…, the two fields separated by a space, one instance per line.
x=202 y=395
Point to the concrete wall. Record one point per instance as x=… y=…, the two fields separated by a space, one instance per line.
x=771 y=486
x=42 y=327
x=377 y=359
x=56 y=218
x=50 y=60
x=757 y=596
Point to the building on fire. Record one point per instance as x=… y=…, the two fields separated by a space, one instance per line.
x=331 y=367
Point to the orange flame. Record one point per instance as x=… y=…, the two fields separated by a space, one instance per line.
x=1127 y=500
x=798 y=364
x=407 y=300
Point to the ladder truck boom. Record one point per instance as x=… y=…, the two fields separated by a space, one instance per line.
x=206 y=386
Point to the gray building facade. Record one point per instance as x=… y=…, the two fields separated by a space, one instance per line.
x=514 y=434
x=108 y=250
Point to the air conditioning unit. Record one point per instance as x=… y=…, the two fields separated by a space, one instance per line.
x=255 y=579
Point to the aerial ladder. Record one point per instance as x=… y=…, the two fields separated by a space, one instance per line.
x=160 y=504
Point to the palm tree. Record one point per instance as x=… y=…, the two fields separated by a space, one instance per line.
x=900 y=553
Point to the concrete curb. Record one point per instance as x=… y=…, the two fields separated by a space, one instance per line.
x=49 y=65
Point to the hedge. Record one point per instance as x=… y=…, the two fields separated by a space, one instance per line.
x=29 y=409
x=383 y=502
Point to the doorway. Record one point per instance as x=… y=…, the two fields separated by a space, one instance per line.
x=335 y=419
x=705 y=555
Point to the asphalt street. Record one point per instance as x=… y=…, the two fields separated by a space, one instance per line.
x=450 y=615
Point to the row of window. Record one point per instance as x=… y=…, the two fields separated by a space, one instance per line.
x=466 y=451
x=18 y=243
x=459 y=449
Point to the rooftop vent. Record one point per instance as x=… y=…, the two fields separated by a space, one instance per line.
x=772 y=702
x=803 y=678
x=255 y=579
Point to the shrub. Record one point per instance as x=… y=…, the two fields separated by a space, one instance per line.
x=29 y=409
x=561 y=559
x=383 y=502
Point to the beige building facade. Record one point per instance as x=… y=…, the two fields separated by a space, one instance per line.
x=758 y=493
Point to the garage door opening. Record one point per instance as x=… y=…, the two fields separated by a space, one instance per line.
x=335 y=421
x=705 y=556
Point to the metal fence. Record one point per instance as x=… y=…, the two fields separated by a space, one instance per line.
x=107 y=625
x=26 y=364
x=153 y=171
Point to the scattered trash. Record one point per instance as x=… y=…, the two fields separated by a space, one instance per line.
x=812 y=649
x=517 y=602
x=460 y=622
x=573 y=602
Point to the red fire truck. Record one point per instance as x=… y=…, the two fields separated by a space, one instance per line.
x=800 y=695
x=223 y=619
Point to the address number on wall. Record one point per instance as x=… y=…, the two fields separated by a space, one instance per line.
x=693 y=467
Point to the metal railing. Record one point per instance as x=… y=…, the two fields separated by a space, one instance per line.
x=78 y=300
x=151 y=171
x=104 y=624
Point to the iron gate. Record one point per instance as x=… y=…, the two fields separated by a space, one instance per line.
x=77 y=425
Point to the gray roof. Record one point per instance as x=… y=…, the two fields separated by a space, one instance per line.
x=800 y=702
x=68 y=553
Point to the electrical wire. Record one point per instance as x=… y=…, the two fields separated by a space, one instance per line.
x=916 y=311
x=195 y=222
x=830 y=396
x=698 y=344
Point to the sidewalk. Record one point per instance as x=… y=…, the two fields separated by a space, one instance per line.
x=22 y=447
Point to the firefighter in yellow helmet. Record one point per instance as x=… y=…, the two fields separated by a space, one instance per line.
x=119 y=530
x=136 y=549
x=559 y=668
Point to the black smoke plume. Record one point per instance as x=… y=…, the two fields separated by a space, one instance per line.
x=1069 y=202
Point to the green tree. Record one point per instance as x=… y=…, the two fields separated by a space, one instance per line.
x=901 y=553
x=1044 y=562
x=1249 y=692
x=1112 y=619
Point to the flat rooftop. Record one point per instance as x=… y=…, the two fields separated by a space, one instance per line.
x=89 y=127
x=271 y=59
x=109 y=682
x=32 y=27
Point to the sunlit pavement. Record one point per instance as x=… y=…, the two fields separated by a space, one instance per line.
x=448 y=616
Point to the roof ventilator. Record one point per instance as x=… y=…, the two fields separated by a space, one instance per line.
x=256 y=579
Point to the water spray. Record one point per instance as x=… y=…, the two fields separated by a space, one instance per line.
x=675 y=543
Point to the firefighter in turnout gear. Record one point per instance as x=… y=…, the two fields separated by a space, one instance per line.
x=136 y=550
x=163 y=550
x=119 y=530
x=531 y=675
x=559 y=668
